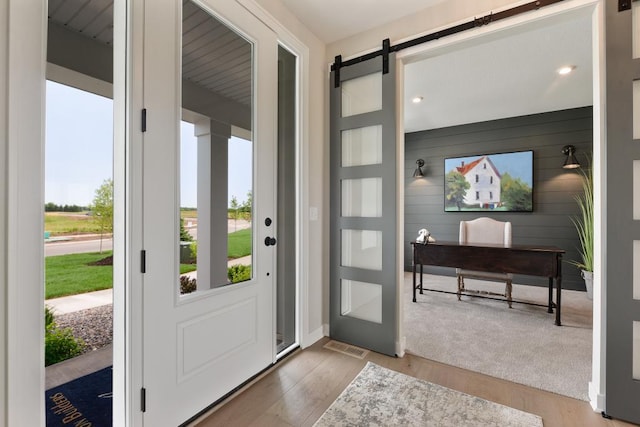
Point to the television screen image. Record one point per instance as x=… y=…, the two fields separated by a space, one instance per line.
x=489 y=182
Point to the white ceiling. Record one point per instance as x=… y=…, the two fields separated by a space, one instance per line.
x=511 y=75
x=507 y=77
x=332 y=20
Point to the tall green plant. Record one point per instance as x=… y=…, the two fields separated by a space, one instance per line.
x=584 y=221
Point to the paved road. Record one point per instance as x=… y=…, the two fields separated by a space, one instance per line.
x=83 y=246
x=76 y=247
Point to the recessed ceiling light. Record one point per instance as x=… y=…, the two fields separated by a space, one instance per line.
x=417 y=99
x=566 y=70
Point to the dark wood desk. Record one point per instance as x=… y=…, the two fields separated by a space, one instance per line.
x=545 y=261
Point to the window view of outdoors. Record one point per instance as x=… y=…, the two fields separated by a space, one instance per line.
x=78 y=224
x=239 y=209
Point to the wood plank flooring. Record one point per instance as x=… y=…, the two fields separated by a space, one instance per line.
x=298 y=390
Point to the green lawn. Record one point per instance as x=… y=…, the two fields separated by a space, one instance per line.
x=239 y=243
x=71 y=274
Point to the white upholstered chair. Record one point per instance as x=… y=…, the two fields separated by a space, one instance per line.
x=485 y=231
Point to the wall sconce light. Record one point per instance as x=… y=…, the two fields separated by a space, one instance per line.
x=571 y=162
x=418 y=173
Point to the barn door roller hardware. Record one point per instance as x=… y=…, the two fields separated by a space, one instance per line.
x=474 y=23
x=624 y=5
x=337 y=64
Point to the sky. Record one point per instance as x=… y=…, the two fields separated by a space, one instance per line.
x=79 y=150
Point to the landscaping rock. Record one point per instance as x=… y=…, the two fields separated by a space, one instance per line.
x=94 y=326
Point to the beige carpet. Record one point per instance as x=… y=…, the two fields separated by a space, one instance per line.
x=521 y=344
x=382 y=397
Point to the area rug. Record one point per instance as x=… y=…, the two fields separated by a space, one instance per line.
x=83 y=402
x=521 y=344
x=382 y=397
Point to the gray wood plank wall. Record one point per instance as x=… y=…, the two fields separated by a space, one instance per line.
x=553 y=192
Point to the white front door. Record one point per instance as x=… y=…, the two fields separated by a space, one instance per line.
x=212 y=64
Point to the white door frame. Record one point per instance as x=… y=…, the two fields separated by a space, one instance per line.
x=22 y=120
x=21 y=201
x=306 y=302
x=437 y=47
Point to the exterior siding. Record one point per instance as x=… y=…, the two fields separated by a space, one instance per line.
x=485 y=184
x=554 y=187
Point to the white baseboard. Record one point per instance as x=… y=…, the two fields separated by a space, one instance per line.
x=401 y=345
x=596 y=399
x=326 y=332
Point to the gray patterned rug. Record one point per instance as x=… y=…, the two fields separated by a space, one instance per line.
x=381 y=397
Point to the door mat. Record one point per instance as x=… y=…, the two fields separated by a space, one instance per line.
x=83 y=402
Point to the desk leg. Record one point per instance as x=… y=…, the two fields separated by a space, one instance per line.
x=550 y=309
x=558 y=294
x=414 y=281
x=421 y=268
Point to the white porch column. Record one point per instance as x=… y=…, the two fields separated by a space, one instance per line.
x=213 y=147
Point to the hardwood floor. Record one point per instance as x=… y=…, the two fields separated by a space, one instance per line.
x=299 y=389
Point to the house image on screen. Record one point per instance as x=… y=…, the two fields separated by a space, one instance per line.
x=484 y=180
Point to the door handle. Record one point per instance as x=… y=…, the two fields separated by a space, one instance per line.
x=270 y=241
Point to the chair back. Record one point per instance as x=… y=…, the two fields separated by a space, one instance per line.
x=485 y=230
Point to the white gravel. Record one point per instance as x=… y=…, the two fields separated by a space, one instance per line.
x=93 y=325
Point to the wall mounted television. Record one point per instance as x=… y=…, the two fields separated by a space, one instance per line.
x=500 y=182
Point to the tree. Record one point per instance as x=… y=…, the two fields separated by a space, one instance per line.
x=184 y=234
x=102 y=208
x=234 y=205
x=247 y=206
x=51 y=207
x=516 y=195
x=456 y=188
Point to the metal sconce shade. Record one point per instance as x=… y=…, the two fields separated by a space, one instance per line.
x=418 y=172
x=571 y=162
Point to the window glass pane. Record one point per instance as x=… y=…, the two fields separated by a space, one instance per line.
x=362 y=197
x=636 y=350
x=636 y=109
x=286 y=289
x=635 y=12
x=636 y=189
x=362 y=95
x=361 y=300
x=362 y=249
x=362 y=146
x=636 y=269
x=216 y=167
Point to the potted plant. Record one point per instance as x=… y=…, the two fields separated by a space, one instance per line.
x=584 y=226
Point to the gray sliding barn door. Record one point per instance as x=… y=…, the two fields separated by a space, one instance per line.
x=363 y=206
x=622 y=291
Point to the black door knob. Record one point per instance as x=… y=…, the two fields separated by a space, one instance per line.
x=270 y=241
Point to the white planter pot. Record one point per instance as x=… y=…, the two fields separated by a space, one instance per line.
x=588 y=281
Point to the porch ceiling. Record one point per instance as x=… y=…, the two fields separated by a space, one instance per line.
x=213 y=56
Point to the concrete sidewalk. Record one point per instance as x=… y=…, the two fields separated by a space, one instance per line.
x=64 y=305
x=72 y=303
